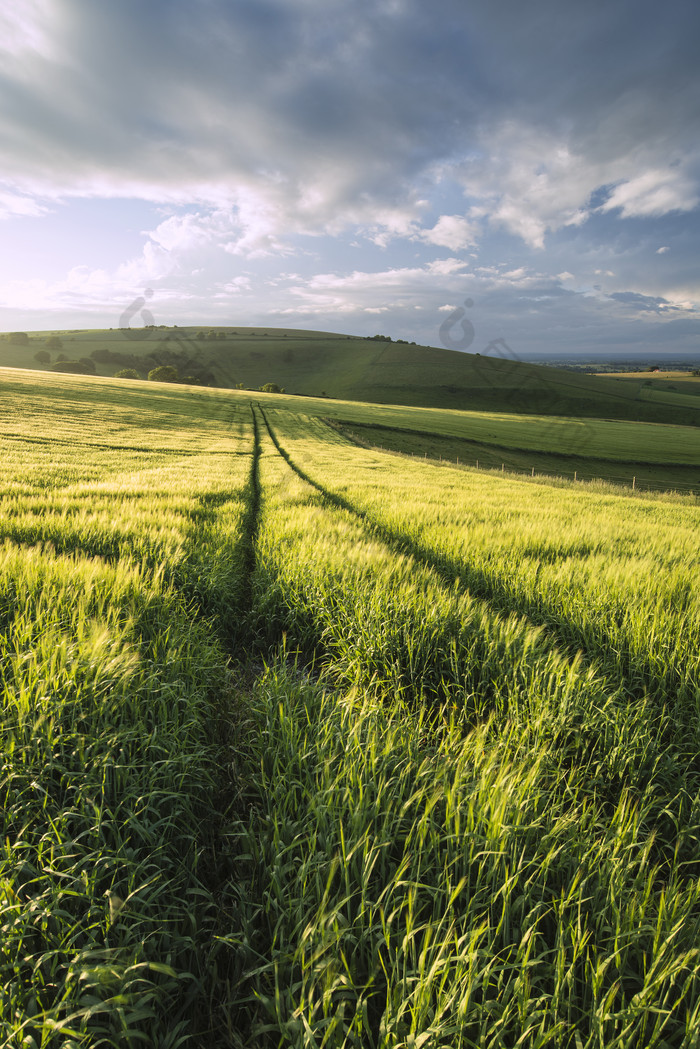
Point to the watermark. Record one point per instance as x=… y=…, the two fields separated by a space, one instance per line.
x=510 y=385
x=138 y=306
x=169 y=347
x=463 y=341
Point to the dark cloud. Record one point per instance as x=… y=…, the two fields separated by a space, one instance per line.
x=184 y=94
x=652 y=303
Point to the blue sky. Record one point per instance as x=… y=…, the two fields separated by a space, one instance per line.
x=367 y=166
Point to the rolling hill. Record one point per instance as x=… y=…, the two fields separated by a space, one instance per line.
x=326 y=364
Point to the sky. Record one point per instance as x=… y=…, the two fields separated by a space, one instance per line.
x=451 y=173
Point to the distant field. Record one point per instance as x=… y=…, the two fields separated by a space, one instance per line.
x=667 y=386
x=656 y=376
x=307 y=743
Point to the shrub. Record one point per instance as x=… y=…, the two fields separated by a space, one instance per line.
x=127 y=373
x=42 y=356
x=165 y=373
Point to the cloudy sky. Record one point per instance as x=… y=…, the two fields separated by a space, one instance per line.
x=450 y=172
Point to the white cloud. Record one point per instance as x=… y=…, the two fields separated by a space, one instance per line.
x=451 y=231
x=662 y=251
x=655 y=192
x=14 y=204
x=527 y=181
x=183 y=232
x=89 y=288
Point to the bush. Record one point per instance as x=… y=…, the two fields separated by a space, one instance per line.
x=54 y=343
x=271 y=387
x=19 y=338
x=127 y=373
x=165 y=373
x=89 y=364
x=77 y=367
x=42 y=356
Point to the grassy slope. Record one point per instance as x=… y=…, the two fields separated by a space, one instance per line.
x=656 y=454
x=351 y=368
x=570 y=914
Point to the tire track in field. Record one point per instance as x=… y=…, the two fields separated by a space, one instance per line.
x=619 y=664
x=250 y=525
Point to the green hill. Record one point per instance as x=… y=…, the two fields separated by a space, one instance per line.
x=325 y=364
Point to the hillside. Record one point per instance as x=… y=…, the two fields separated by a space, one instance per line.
x=322 y=364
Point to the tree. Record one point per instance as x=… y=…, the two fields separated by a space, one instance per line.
x=271 y=387
x=192 y=380
x=54 y=343
x=127 y=373
x=42 y=356
x=19 y=338
x=165 y=373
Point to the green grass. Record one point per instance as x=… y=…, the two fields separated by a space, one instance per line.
x=121 y=578
x=309 y=744
x=474 y=842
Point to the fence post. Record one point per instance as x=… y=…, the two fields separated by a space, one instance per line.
x=634 y=482
x=477 y=464
x=533 y=471
x=575 y=474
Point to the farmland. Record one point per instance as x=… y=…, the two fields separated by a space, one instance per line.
x=309 y=744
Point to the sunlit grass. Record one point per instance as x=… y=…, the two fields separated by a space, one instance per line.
x=459 y=807
x=615 y=576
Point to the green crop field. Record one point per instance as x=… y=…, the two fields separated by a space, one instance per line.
x=310 y=744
